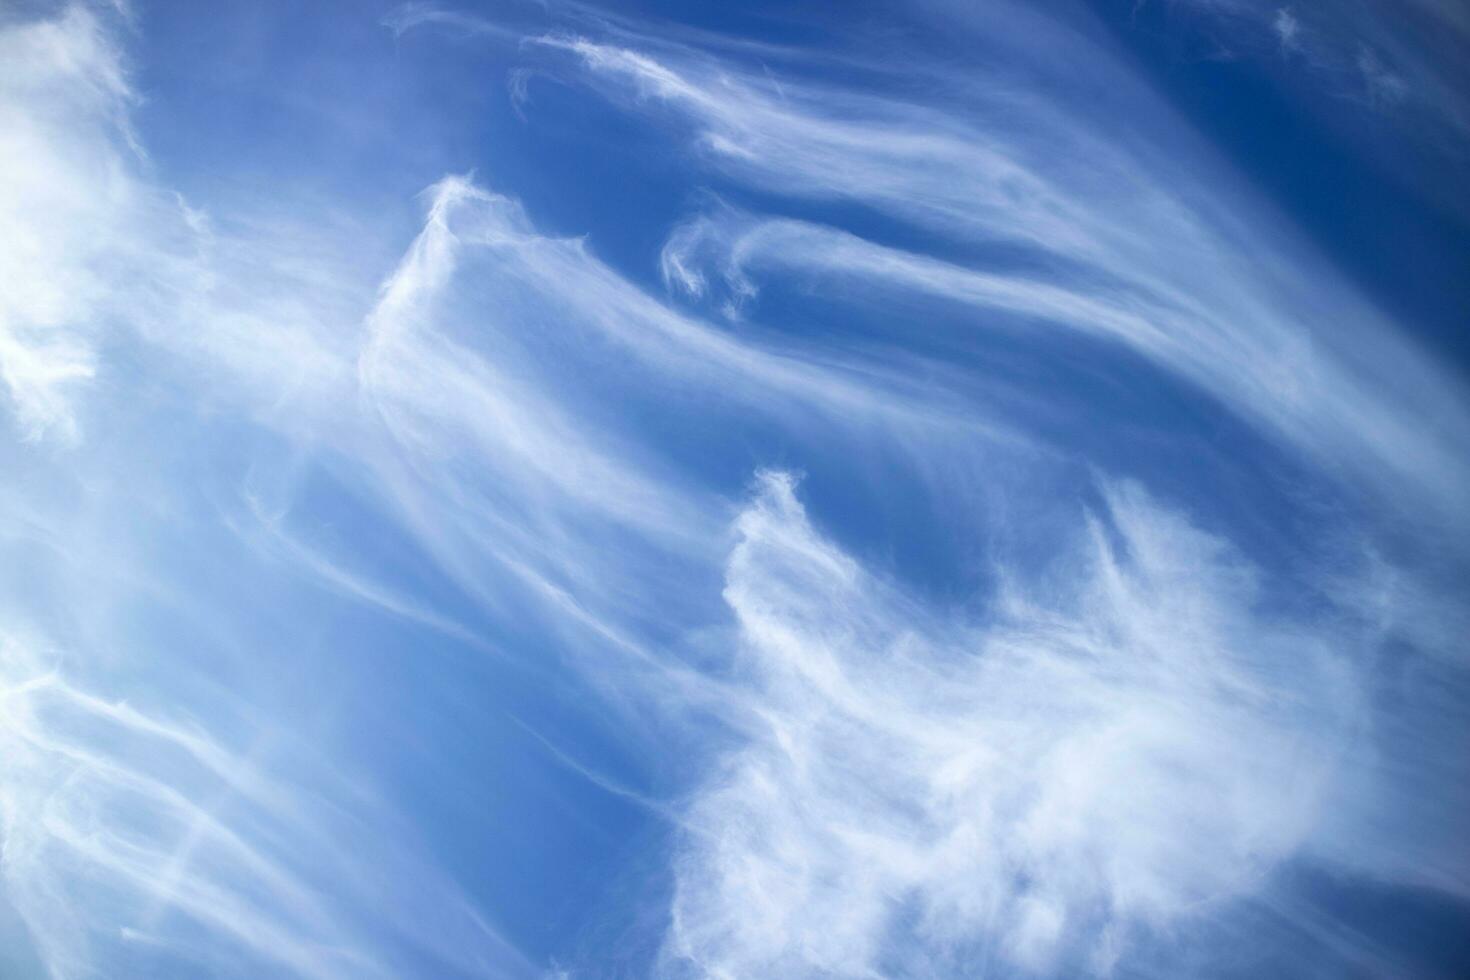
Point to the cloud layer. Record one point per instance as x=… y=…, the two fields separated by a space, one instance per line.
x=965 y=536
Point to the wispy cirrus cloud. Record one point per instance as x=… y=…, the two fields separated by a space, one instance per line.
x=1154 y=246
x=347 y=566
x=1248 y=350
x=65 y=132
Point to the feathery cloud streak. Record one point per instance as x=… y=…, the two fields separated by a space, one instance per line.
x=345 y=593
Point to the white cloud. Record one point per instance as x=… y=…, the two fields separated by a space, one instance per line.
x=1287 y=28
x=411 y=16
x=63 y=197
x=116 y=824
x=1384 y=87
x=1118 y=748
x=1236 y=338
x=1137 y=744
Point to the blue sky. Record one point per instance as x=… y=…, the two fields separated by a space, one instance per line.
x=562 y=490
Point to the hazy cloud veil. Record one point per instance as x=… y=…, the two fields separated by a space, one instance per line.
x=672 y=490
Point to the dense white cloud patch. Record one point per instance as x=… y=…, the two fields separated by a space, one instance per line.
x=1127 y=751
